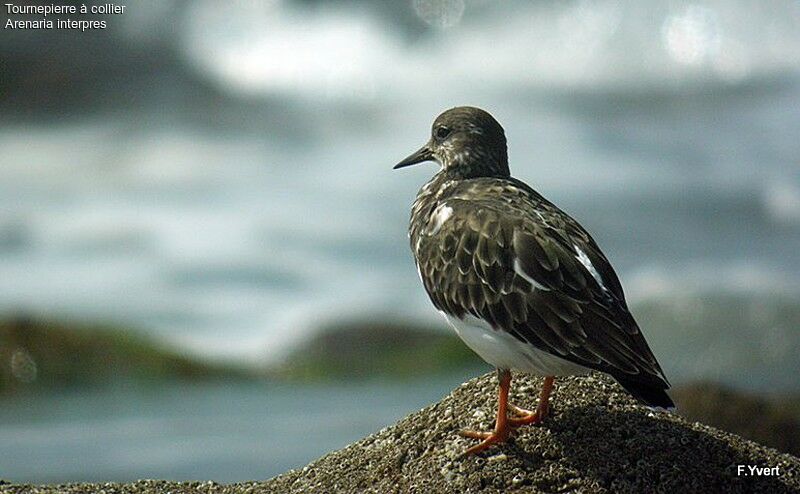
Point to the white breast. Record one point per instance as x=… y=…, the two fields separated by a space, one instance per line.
x=503 y=351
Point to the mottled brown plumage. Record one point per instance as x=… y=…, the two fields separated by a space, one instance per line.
x=467 y=267
x=488 y=246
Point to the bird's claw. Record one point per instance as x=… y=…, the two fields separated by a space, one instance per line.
x=488 y=439
x=471 y=434
x=525 y=417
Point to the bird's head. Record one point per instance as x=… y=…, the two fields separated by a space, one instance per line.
x=467 y=142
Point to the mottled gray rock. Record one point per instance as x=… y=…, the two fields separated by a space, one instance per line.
x=597 y=440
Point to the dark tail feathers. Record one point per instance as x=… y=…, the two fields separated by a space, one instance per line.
x=651 y=394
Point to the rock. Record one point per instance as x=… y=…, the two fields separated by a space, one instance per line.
x=597 y=440
x=41 y=354
x=374 y=347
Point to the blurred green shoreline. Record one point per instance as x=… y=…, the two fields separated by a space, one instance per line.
x=744 y=342
x=40 y=355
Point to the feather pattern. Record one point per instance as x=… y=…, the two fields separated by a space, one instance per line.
x=504 y=254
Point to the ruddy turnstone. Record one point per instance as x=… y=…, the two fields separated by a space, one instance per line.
x=521 y=282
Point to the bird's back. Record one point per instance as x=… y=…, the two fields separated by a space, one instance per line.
x=494 y=249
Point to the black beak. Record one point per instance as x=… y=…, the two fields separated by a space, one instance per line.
x=422 y=154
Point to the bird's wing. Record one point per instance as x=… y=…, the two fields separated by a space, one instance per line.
x=529 y=269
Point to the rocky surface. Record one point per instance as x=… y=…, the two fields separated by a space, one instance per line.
x=597 y=440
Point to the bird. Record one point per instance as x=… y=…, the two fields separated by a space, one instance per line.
x=521 y=282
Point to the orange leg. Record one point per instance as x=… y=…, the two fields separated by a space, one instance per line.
x=502 y=430
x=503 y=424
x=525 y=417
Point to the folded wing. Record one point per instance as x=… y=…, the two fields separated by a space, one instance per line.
x=529 y=269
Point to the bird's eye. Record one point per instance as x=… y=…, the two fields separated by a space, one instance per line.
x=442 y=132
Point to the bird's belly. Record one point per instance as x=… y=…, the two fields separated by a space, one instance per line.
x=503 y=351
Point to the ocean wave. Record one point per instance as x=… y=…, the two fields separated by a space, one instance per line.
x=695 y=279
x=341 y=52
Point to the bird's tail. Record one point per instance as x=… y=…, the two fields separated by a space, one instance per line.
x=651 y=394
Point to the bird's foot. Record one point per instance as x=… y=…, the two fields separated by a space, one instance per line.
x=526 y=417
x=497 y=436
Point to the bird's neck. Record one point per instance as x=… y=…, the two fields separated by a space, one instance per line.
x=431 y=193
x=467 y=159
x=436 y=186
x=463 y=167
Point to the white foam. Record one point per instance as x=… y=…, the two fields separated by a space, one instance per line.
x=341 y=52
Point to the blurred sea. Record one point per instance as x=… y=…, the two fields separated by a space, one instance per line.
x=220 y=175
x=225 y=433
